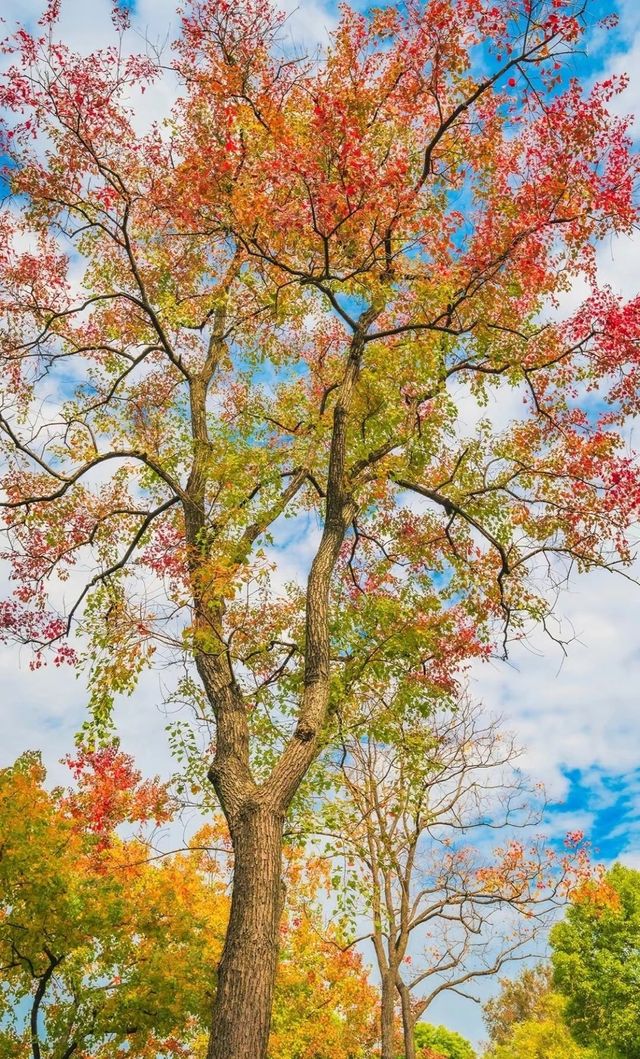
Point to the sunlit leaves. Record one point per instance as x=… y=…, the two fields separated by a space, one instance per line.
x=121 y=948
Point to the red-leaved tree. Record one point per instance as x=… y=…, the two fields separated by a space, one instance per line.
x=279 y=302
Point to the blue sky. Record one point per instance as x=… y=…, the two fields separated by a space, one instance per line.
x=578 y=718
x=611 y=799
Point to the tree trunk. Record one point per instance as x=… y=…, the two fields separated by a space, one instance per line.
x=246 y=974
x=242 y=1006
x=387 y=1021
x=408 y=1021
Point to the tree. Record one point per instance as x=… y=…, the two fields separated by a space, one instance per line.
x=545 y=1036
x=519 y=1000
x=107 y=947
x=596 y=963
x=419 y=803
x=527 y=1021
x=270 y=306
x=101 y=952
x=438 y=1042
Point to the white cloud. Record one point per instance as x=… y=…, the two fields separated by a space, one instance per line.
x=580 y=711
x=43 y=710
x=618 y=258
x=631 y=859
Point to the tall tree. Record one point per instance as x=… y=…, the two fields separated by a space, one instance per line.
x=596 y=962
x=417 y=815
x=272 y=304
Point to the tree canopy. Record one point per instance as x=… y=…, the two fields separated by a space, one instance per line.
x=291 y=298
x=109 y=949
x=438 y=1042
x=596 y=963
x=526 y=1020
x=100 y=951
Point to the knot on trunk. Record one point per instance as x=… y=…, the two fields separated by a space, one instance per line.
x=304 y=733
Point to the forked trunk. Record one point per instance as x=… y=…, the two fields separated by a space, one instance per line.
x=242 y=1006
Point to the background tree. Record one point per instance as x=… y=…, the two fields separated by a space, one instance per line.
x=416 y=811
x=325 y=1007
x=519 y=1000
x=273 y=304
x=101 y=952
x=596 y=963
x=438 y=1042
x=527 y=1021
x=107 y=947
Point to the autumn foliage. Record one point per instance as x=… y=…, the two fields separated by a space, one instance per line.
x=291 y=297
x=322 y=207
x=110 y=791
x=102 y=952
x=108 y=949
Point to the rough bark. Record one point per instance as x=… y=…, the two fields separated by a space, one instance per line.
x=242 y=1006
x=408 y=1020
x=387 y=1012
